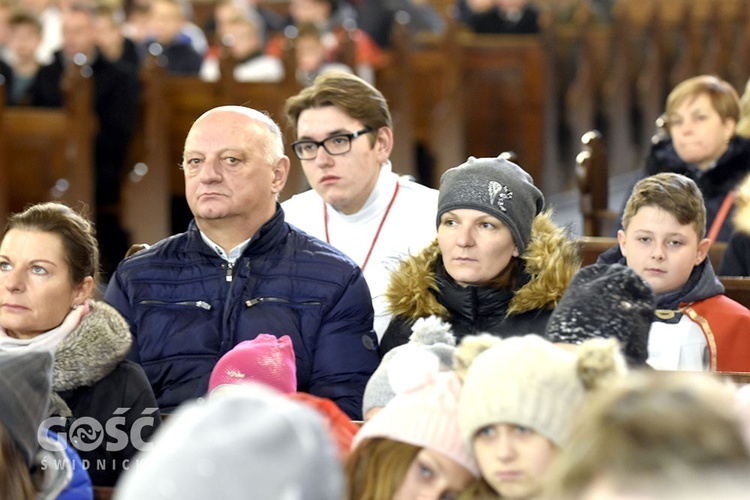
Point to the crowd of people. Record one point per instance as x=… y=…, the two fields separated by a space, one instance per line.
x=371 y=338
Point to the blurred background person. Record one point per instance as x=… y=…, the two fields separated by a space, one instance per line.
x=25 y=37
x=517 y=17
x=656 y=435
x=111 y=39
x=701 y=117
x=242 y=40
x=310 y=55
x=116 y=98
x=167 y=23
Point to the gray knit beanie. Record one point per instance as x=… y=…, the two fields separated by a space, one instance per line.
x=606 y=301
x=494 y=186
x=25 y=384
x=431 y=337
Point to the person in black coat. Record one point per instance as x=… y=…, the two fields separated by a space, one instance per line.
x=515 y=17
x=102 y=403
x=702 y=114
x=499 y=264
x=116 y=98
x=170 y=43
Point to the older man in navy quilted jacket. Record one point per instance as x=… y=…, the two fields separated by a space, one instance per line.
x=240 y=271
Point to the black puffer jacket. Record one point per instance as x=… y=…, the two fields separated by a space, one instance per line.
x=714 y=183
x=421 y=287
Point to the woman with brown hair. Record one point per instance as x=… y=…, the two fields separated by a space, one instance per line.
x=102 y=403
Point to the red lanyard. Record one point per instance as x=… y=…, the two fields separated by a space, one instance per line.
x=377 y=234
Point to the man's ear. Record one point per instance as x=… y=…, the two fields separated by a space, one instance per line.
x=703 y=246
x=280 y=174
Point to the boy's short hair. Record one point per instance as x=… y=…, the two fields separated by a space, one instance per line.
x=673 y=193
x=723 y=96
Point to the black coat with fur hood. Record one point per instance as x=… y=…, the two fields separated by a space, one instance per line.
x=94 y=386
x=420 y=287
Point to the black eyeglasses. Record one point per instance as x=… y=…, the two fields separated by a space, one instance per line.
x=335 y=145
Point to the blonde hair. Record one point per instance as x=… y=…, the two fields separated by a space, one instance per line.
x=722 y=95
x=376 y=468
x=648 y=426
x=673 y=193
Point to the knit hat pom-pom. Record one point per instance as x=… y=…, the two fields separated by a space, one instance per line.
x=411 y=369
x=432 y=330
x=599 y=362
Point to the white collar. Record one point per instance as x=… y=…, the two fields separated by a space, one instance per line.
x=234 y=254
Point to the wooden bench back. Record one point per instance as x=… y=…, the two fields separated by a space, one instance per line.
x=47 y=153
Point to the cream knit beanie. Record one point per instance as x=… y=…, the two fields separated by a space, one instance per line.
x=531 y=382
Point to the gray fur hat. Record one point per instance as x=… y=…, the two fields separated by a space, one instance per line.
x=605 y=300
x=25 y=385
x=494 y=186
x=430 y=336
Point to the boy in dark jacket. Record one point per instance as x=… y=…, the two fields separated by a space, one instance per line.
x=696 y=326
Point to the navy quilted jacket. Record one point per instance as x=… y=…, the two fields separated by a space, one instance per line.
x=186 y=308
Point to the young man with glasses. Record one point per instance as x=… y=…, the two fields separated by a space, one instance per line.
x=344 y=139
x=240 y=270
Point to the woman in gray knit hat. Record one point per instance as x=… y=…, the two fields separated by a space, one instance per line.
x=498 y=265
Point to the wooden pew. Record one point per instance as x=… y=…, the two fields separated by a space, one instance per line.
x=47 y=153
x=592 y=175
x=504 y=93
x=156 y=206
x=737 y=289
x=396 y=83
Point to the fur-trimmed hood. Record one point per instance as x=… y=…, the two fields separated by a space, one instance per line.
x=551 y=259
x=741 y=216
x=91 y=351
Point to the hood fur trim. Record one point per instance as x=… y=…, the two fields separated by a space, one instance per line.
x=551 y=258
x=91 y=351
x=741 y=217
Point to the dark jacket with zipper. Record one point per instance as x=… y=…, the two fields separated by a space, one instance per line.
x=187 y=307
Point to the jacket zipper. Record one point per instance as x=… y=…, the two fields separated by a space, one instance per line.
x=230 y=271
x=252 y=302
x=196 y=303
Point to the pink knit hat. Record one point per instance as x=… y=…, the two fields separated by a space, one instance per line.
x=266 y=359
x=425 y=416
